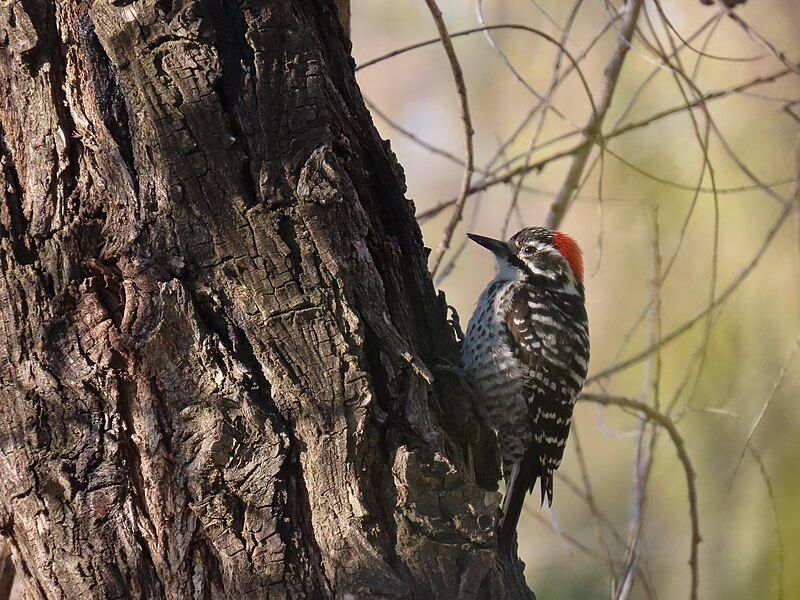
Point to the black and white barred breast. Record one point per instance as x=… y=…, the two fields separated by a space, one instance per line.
x=526 y=353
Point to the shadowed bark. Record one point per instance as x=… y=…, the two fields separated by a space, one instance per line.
x=218 y=329
x=6 y=571
x=343 y=7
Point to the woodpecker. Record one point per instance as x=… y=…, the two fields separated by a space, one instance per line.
x=525 y=354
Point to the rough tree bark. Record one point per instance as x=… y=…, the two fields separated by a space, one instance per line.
x=343 y=6
x=217 y=330
x=6 y=571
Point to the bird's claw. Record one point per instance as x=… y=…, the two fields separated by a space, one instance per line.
x=452 y=369
x=455 y=323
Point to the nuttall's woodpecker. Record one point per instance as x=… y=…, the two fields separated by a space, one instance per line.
x=525 y=354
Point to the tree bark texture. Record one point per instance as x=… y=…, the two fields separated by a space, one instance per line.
x=6 y=571
x=343 y=7
x=218 y=331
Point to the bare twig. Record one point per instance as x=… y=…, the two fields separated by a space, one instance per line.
x=489 y=182
x=652 y=384
x=788 y=207
x=482 y=28
x=560 y=533
x=759 y=38
x=594 y=127
x=506 y=177
x=581 y=494
x=677 y=440
x=543 y=98
x=679 y=73
x=466 y=118
x=413 y=136
x=678 y=331
x=609 y=526
x=581 y=547
x=711 y=25
x=775 y=387
x=702 y=52
x=771 y=492
x=500 y=152
x=587 y=486
x=679 y=243
x=432 y=41
x=703 y=143
x=561 y=79
x=547 y=102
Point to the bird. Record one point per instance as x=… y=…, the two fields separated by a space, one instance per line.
x=525 y=354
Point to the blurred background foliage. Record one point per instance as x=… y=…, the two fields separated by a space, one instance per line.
x=714 y=379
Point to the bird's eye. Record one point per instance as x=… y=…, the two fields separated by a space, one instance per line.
x=528 y=251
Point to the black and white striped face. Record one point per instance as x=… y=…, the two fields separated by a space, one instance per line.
x=550 y=258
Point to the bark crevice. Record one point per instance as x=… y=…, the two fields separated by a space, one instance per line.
x=14 y=225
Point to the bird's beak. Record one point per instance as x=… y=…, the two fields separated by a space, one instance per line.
x=498 y=248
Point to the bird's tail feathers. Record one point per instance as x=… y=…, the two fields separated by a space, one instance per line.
x=546 y=485
x=521 y=482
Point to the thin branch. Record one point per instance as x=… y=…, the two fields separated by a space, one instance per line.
x=466 y=118
x=546 y=15
x=768 y=482
x=513 y=26
x=580 y=546
x=678 y=72
x=701 y=98
x=575 y=489
x=487 y=183
x=607 y=26
x=500 y=152
x=587 y=485
x=560 y=533
x=759 y=38
x=594 y=127
x=507 y=62
x=703 y=142
x=506 y=177
x=701 y=52
x=482 y=28
x=547 y=101
x=713 y=22
x=581 y=494
x=680 y=447
x=775 y=387
x=709 y=310
x=652 y=386
x=562 y=78
x=679 y=243
x=413 y=136
x=677 y=332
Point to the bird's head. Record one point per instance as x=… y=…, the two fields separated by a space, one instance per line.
x=550 y=257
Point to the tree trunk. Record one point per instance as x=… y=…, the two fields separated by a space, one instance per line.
x=218 y=329
x=6 y=571
x=344 y=14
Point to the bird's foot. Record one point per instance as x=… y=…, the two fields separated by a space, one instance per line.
x=455 y=323
x=446 y=366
